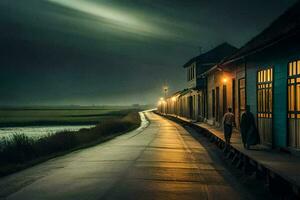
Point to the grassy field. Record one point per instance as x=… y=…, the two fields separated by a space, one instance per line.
x=72 y=115
x=22 y=151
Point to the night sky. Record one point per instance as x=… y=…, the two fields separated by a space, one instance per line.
x=114 y=51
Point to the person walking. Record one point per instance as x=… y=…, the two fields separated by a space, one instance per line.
x=228 y=122
x=249 y=131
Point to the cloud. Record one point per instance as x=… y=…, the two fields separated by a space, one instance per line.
x=117 y=18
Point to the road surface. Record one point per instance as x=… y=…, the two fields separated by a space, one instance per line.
x=159 y=161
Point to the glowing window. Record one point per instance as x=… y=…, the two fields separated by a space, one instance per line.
x=265 y=93
x=294 y=89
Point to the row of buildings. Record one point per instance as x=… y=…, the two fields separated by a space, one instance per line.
x=264 y=74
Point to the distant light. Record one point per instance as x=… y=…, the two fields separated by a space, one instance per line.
x=225 y=80
x=166 y=88
x=173 y=99
x=161 y=98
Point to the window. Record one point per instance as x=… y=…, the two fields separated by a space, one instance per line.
x=294 y=90
x=194 y=70
x=242 y=95
x=191 y=73
x=294 y=103
x=264 y=93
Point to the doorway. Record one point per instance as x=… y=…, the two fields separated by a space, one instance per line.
x=191 y=107
x=217 y=104
x=224 y=99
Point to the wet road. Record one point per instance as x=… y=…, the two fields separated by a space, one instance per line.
x=160 y=161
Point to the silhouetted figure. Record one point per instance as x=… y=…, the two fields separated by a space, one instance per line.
x=228 y=121
x=249 y=131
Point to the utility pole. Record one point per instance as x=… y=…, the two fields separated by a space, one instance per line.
x=200 y=49
x=165 y=91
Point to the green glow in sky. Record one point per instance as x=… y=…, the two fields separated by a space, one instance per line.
x=114 y=51
x=120 y=19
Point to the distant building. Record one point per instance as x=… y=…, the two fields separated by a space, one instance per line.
x=203 y=62
x=225 y=89
x=192 y=102
x=196 y=95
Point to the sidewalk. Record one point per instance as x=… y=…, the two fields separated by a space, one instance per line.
x=272 y=163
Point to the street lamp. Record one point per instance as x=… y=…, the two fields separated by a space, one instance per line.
x=165 y=89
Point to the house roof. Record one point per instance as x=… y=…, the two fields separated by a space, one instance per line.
x=184 y=92
x=284 y=26
x=178 y=93
x=214 y=55
x=187 y=91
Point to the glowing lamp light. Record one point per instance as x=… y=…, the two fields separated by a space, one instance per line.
x=161 y=99
x=173 y=99
x=224 y=80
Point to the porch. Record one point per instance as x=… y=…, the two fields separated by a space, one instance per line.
x=280 y=170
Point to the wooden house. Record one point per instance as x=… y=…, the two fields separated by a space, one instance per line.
x=272 y=80
x=264 y=74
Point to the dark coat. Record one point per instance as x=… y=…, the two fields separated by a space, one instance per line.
x=249 y=131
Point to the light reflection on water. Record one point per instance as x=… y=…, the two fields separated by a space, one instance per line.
x=38 y=131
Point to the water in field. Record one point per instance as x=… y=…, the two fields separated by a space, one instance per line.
x=38 y=131
x=40 y=121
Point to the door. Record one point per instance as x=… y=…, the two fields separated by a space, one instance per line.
x=233 y=95
x=191 y=107
x=200 y=105
x=213 y=103
x=218 y=104
x=265 y=105
x=224 y=99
